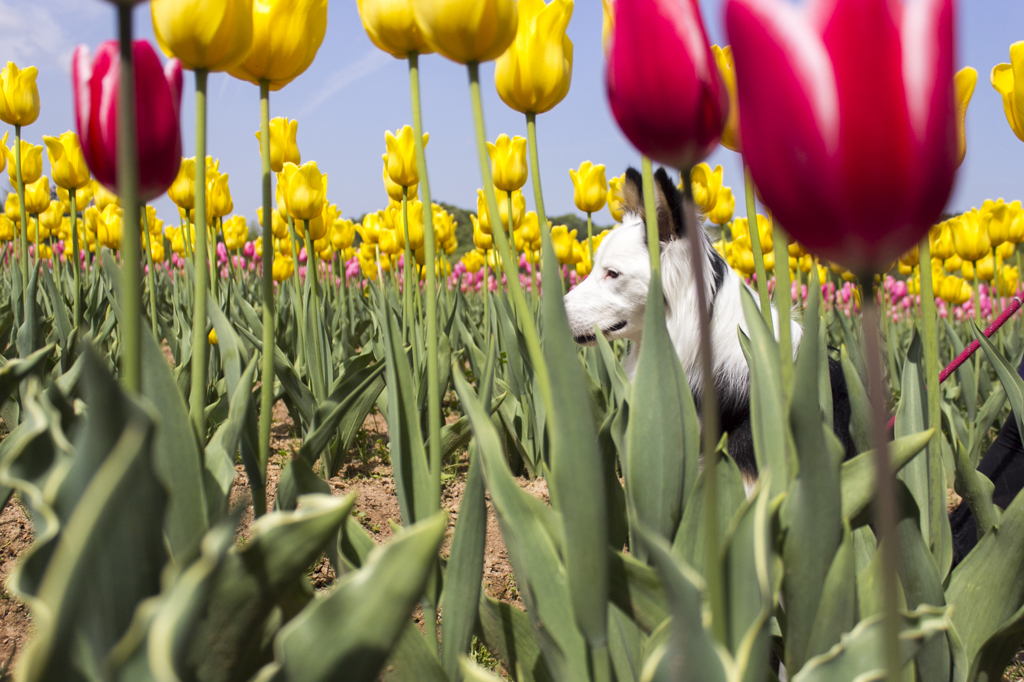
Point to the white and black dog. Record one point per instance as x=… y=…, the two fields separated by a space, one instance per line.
x=614 y=296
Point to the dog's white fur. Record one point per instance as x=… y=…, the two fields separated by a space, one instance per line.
x=603 y=301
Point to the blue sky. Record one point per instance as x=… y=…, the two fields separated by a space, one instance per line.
x=353 y=93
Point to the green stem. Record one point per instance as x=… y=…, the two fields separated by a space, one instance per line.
x=885 y=500
x=151 y=275
x=755 y=246
x=23 y=232
x=538 y=194
x=127 y=181
x=430 y=252
x=269 y=339
x=316 y=366
x=783 y=304
x=930 y=335
x=709 y=410
x=526 y=319
x=197 y=397
x=76 y=261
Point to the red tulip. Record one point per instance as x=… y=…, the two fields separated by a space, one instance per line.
x=157 y=103
x=662 y=82
x=848 y=119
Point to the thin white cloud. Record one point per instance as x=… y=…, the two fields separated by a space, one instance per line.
x=32 y=33
x=372 y=61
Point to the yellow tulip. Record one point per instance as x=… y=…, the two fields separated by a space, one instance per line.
x=940 y=241
x=615 y=197
x=283 y=268
x=911 y=258
x=19 y=96
x=444 y=223
x=741 y=228
x=343 y=233
x=1008 y=80
x=724 y=207
x=12 y=208
x=218 y=197
x=415 y=212
x=284 y=246
x=286 y=35
x=212 y=337
x=534 y=73
x=392 y=241
x=319 y=225
x=236 y=232
x=795 y=249
x=50 y=218
x=31 y=162
x=997 y=217
x=1016 y=230
x=705 y=184
x=562 y=239
x=37 y=195
x=518 y=209
x=467 y=30
x=278 y=227
x=304 y=189
x=530 y=229
x=963 y=88
x=8 y=230
x=83 y=195
x=508 y=161
x=1006 y=250
x=369 y=229
x=481 y=240
x=392 y=27
x=970 y=239
x=967 y=269
x=727 y=70
x=401 y=156
x=214 y=35
x=109 y=227
x=1010 y=280
x=590 y=188
x=954 y=290
x=986 y=268
x=905 y=269
x=473 y=261
x=67 y=162
x=103 y=196
x=283 y=147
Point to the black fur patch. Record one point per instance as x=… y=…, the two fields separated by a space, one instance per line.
x=673 y=198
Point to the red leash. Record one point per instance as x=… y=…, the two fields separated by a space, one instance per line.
x=1015 y=304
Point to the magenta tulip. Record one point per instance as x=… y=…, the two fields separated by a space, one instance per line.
x=662 y=82
x=157 y=103
x=848 y=119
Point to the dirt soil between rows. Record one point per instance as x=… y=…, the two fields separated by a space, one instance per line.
x=367 y=475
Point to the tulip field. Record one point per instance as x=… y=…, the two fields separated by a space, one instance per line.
x=307 y=448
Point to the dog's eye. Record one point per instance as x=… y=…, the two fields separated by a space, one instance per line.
x=614 y=274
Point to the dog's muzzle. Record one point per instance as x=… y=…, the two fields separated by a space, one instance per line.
x=584 y=339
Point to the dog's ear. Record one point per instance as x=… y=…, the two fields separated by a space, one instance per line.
x=667 y=199
x=670 y=207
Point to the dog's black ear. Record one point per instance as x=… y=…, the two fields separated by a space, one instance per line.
x=670 y=207
x=633 y=193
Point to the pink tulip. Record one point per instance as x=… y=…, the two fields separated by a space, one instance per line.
x=157 y=104
x=847 y=119
x=662 y=82
x=248 y=249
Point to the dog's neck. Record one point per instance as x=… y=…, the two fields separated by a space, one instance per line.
x=731 y=374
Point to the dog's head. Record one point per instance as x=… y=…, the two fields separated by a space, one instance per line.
x=613 y=297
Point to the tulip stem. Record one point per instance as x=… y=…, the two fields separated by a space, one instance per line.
x=269 y=339
x=316 y=366
x=77 y=260
x=930 y=336
x=885 y=499
x=23 y=232
x=590 y=237
x=127 y=181
x=538 y=194
x=434 y=418
x=151 y=275
x=755 y=246
x=197 y=398
x=526 y=320
x=709 y=407
x=783 y=304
